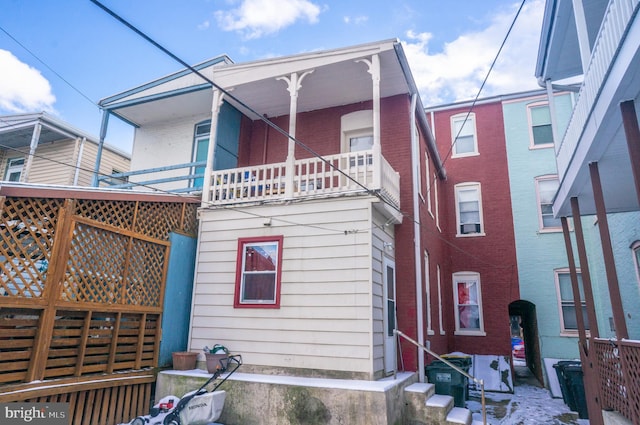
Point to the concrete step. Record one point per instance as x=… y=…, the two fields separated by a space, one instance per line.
x=438 y=408
x=458 y=416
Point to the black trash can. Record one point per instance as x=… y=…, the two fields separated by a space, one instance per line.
x=567 y=396
x=449 y=381
x=575 y=385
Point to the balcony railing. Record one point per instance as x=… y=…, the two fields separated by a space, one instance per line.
x=616 y=20
x=618 y=365
x=333 y=174
x=167 y=178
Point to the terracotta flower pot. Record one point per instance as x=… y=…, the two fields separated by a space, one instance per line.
x=184 y=360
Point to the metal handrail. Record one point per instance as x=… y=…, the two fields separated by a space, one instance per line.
x=456 y=368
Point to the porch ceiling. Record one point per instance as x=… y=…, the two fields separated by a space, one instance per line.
x=336 y=79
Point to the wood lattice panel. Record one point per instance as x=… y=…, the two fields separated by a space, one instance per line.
x=118 y=214
x=27 y=227
x=157 y=220
x=612 y=387
x=96 y=265
x=145 y=277
x=18 y=328
x=630 y=353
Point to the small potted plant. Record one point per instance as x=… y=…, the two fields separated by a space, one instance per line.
x=215 y=356
x=184 y=360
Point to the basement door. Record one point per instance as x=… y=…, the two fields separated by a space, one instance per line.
x=389 y=287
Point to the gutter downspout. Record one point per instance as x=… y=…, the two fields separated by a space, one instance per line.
x=103 y=134
x=415 y=158
x=76 y=175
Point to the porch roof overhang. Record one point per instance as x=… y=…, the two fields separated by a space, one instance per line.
x=336 y=79
x=601 y=139
x=16 y=131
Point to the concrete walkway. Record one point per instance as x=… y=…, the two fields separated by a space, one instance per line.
x=531 y=404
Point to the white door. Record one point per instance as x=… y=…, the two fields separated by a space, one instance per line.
x=389 y=276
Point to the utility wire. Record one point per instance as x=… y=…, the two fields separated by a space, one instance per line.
x=48 y=67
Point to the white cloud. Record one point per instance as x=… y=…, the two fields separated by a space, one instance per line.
x=255 y=18
x=23 y=88
x=356 y=20
x=204 y=25
x=457 y=72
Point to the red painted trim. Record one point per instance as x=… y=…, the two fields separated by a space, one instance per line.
x=240 y=252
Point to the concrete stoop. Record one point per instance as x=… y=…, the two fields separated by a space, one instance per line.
x=424 y=407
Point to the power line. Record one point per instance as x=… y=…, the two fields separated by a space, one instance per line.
x=48 y=67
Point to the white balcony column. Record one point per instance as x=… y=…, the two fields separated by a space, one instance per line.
x=80 y=150
x=35 y=137
x=374 y=70
x=294 y=83
x=583 y=34
x=218 y=97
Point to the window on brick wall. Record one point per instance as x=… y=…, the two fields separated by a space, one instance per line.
x=469 y=209
x=468 y=304
x=463 y=135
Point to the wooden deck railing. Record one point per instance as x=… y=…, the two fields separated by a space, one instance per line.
x=333 y=174
x=81 y=296
x=619 y=373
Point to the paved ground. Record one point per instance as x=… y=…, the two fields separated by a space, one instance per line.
x=531 y=404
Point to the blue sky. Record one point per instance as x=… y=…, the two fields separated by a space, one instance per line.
x=48 y=46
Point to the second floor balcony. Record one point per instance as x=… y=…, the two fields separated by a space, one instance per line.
x=332 y=175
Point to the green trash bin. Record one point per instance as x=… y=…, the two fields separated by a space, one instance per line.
x=449 y=381
x=567 y=395
x=575 y=386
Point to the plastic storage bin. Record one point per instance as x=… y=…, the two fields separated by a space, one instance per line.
x=449 y=381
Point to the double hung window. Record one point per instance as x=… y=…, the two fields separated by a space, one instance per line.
x=258 y=272
x=14 y=169
x=468 y=303
x=541 y=131
x=546 y=188
x=463 y=135
x=468 y=209
x=568 y=319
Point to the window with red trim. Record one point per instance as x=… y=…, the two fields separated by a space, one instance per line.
x=258 y=270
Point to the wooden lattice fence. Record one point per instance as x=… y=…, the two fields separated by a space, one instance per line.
x=82 y=282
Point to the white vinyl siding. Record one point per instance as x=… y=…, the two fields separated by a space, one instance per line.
x=331 y=300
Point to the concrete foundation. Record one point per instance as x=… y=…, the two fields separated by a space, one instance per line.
x=254 y=399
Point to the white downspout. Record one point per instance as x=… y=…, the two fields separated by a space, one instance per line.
x=35 y=138
x=76 y=174
x=415 y=158
x=211 y=148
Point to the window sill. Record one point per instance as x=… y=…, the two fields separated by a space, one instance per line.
x=541 y=146
x=465 y=155
x=470 y=333
x=430 y=332
x=470 y=235
x=573 y=334
x=550 y=230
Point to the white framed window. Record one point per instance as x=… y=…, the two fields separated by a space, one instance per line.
x=469 y=209
x=357 y=135
x=13 y=173
x=546 y=188
x=635 y=250
x=463 y=135
x=468 y=304
x=566 y=306
x=427 y=285
x=427 y=176
x=540 y=131
x=437 y=205
x=440 y=321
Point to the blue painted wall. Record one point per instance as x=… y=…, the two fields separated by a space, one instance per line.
x=538 y=253
x=624 y=230
x=177 y=297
